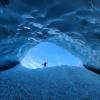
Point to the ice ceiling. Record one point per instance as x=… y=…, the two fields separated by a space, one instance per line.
x=72 y=24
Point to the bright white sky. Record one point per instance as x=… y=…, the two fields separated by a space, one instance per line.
x=51 y=53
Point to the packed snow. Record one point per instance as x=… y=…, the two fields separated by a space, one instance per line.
x=53 y=83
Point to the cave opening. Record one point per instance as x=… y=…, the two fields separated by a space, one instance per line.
x=51 y=54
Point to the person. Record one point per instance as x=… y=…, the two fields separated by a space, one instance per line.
x=45 y=64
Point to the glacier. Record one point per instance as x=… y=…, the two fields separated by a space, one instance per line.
x=56 y=83
x=71 y=24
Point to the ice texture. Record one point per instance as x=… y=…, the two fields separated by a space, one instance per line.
x=73 y=25
x=56 y=83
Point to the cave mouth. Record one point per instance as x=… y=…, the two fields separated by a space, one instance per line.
x=51 y=53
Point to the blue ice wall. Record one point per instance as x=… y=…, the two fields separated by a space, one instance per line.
x=73 y=25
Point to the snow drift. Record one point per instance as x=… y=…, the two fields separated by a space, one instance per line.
x=55 y=83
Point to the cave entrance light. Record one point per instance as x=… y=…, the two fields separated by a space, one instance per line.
x=51 y=54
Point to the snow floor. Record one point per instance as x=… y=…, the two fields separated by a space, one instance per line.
x=53 y=83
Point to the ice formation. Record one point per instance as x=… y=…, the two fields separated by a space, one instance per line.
x=56 y=83
x=71 y=24
x=74 y=25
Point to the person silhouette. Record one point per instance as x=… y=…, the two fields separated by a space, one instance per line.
x=45 y=64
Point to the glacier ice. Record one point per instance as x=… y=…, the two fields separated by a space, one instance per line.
x=71 y=24
x=75 y=25
x=56 y=83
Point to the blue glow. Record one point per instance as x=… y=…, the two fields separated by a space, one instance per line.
x=52 y=54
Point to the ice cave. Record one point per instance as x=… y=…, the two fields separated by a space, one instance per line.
x=68 y=26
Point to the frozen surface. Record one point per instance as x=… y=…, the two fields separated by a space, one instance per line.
x=55 y=83
x=71 y=24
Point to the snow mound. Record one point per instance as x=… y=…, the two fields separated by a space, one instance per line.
x=54 y=83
